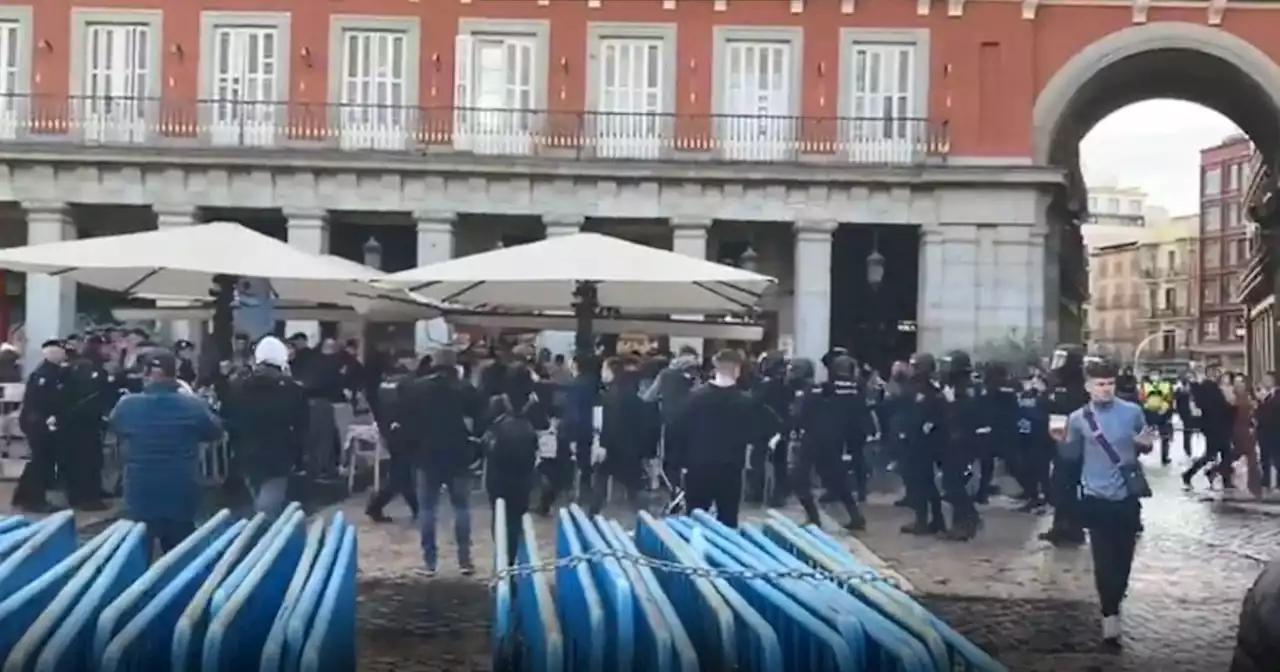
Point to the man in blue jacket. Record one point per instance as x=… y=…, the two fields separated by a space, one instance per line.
x=160 y=431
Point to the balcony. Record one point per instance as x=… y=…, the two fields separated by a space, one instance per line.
x=36 y=121
x=1167 y=312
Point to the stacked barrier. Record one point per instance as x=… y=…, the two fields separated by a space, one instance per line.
x=689 y=594
x=236 y=594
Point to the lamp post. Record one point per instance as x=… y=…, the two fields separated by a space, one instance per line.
x=372 y=253
x=750 y=260
x=875 y=276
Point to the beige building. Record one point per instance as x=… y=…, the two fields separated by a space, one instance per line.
x=1116 y=314
x=1167 y=251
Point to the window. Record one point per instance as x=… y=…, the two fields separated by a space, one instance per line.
x=1171 y=261
x=245 y=85
x=1153 y=300
x=757 y=123
x=883 y=105
x=1228 y=289
x=1168 y=341
x=1236 y=180
x=1093 y=204
x=1135 y=207
x=1209 y=328
x=1211 y=218
x=1231 y=215
x=1211 y=181
x=1209 y=294
x=1212 y=254
x=1113 y=206
x=1170 y=299
x=1228 y=177
x=11 y=84
x=1235 y=325
x=495 y=93
x=630 y=97
x=1242 y=249
x=117 y=81
x=374 y=90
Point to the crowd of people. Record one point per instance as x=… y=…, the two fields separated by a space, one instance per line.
x=542 y=429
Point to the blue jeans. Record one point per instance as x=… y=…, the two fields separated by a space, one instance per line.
x=428 y=485
x=269 y=496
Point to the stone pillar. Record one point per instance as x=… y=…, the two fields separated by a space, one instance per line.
x=560 y=342
x=51 y=301
x=435 y=244
x=689 y=237
x=812 y=282
x=172 y=218
x=307 y=230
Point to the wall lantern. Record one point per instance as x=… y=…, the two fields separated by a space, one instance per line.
x=372 y=253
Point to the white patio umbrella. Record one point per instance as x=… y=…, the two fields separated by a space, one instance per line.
x=551 y=275
x=182 y=262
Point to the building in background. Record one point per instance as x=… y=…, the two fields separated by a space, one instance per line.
x=1115 y=314
x=1166 y=254
x=1224 y=252
x=1113 y=205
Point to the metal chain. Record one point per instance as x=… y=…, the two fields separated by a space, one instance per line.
x=864 y=575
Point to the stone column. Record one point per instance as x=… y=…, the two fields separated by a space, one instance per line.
x=51 y=301
x=307 y=230
x=435 y=245
x=929 y=301
x=560 y=342
x=173 y=218
x=689 y=237
x=812 y=304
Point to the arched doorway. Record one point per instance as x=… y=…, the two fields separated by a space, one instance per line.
x=1177 y=60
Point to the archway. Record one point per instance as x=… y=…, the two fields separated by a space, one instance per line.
x=1176 y=60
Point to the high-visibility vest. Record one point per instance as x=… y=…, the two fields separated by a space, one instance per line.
x=1156 y=396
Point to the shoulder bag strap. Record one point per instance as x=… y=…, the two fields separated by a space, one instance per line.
x=1098 y=436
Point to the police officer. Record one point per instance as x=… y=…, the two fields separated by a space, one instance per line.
x=773 y=392
x=1035 y=445
x=1066 y=395
x=90 y=394
x=829 y=419
x=399 y=469
x=998 y=402
x=966 y=429
x=43 y=403
x=924 y=440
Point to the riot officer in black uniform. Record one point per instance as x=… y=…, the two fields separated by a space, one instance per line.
x=773 y=393
x=43 y=404
x=966 y=428
x=1066 y=395
x=91 y=394
x=924 y=440
x=998 y=403
x=829 y=419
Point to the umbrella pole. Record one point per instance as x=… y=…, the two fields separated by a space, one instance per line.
x=224 y=295
x=585 y=307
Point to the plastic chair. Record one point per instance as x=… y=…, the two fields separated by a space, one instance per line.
x=355 y=447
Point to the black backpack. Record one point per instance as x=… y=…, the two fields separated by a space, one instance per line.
x=512 y=436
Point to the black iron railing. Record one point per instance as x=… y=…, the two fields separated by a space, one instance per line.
x=500 y=132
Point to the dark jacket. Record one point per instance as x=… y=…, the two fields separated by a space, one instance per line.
x=626 y=423
x=438 y=416
x=266 y=414
x=160 y=432
x=1258 y=636
x=717 y=424
x=671 y=388
x=47 y=395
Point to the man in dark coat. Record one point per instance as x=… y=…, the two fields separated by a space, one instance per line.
x=161 y=430
x=1258 y=637
x=44 y=403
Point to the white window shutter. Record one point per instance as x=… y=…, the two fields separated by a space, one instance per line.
x=463 y=76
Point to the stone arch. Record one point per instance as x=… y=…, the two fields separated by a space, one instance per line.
x=1166 y=59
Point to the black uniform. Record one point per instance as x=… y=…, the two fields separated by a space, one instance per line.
x=922 y=422
x=998 y=407
x=266 y=417
x=511 y=449
x=626 y=425
x=399 y=470
x=717 y=424
x=46 y=397
x=1067 y=394
x=89 y=391
x=1036 y=447
x=775 y=395
x=966 y=427
x=829 y=419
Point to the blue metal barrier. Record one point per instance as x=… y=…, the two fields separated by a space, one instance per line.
x=22 y=608
x=193 y=623
x=71 y=646
x=580 y=607
x=127 y=606
x=331 y=644
x=145 y=642
x=304 y=612
x=273 y=650
x=240 y=624
x=11 y=523
x=502 y=644
x=537 y=622
x=614 y=590
x=30 y=550
x=72 y=578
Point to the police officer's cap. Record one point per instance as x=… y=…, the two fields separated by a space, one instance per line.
x=183 y=344
x=842 y=366
x=54 y=343
x=94 y=340
x=832 y=354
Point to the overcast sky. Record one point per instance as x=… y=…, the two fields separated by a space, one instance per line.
x=1155 y=145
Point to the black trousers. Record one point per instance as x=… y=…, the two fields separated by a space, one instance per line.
x=1113 y=537
x=39 y=472
x=922 y=487
x=718 y=485
x=1217 y=447
x=760 y=460
x=398 y=481
x=1269 y=459
x=80 y=465
x=515 y=491
x=1065 y=480
x=1033 y=466
x=955 y=489
x=625 y=468
x=830 y=464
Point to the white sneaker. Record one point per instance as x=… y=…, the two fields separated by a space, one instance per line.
x=1111 y=629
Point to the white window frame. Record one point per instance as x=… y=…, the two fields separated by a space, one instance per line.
x=502 y=112
x=866 y=134
x=390 y=126
x=743 y=135
x=15 y=70
x=117 y=119
x=643 y=132
x=247 y=123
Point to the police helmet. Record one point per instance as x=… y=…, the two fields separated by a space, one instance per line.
x=842 y=367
